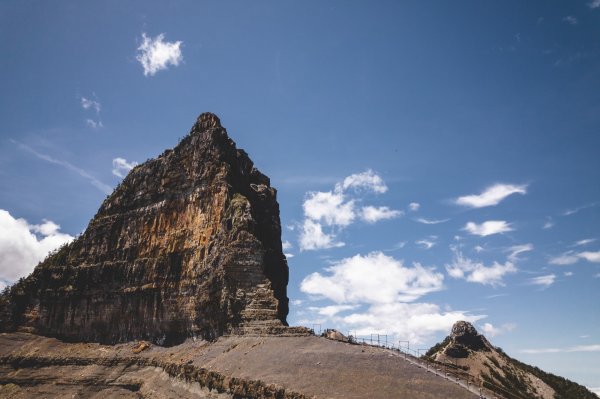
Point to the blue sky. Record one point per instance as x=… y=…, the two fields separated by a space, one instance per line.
x=483 y=115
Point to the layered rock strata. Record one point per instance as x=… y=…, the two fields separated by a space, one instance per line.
x=189 y=244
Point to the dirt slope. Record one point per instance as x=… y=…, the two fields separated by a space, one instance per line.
x=232 y=367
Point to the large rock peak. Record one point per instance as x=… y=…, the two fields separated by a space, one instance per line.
x=464 y=338
x=189 y=244
x=462 y=329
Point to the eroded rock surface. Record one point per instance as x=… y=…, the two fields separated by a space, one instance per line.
x=188 y=245
x=472 y=357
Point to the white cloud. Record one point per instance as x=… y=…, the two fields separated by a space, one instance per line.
x=87 y=103
x=416 y=322
x=374 y=278
x=574 y=211
x=567 y=258
x=156 y=54
x=478 y=248
x=121 y=167
x=289 y=256
x=286 y=245
x=578 y=348
x=584 y=242
x=571 y=257
x=336 y=210
x=477 y=272
x=489 y=330
x=548 y=224
x=590 y=256
x=23 y=246
x=94 y=124
x=367 y=180
x=372 y=214
x=426 y=243
x=568 y=274
x=106 y=189
x=545 y=281
x=515 y=250
x=372 y=291
x=414 y=206
x=571 y=20
x=329 y=207
x=488 y=228
x=594 y=4
x=491 y=196
x=428 y=221
x=331 y=310
x=312 y=237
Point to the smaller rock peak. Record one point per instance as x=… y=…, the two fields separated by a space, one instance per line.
x=463 y=328
x=207 y=120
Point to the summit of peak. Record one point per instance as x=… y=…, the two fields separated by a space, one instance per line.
x=207 y=120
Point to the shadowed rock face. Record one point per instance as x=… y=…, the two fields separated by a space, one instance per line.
x=189 y=244
x=464 y=337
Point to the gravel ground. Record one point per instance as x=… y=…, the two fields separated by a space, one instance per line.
x=302 y=367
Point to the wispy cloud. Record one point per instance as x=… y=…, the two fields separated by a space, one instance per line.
x=488 y=228
x=578 y=348
x=584 y=242
x=368 y=180
x=571 y=20
x=566 y=258
x=576 y=210
x=121 y=167
x=491 y=196
x=594 y=4
x=106 y=189
x=476 y=272
x=414 y=206
x=490 y=330
x=331 y=310
x=156 y=55
x=94 y=124
x=87 y=103
x=571 y=257
x=427 y=243
x=430 y=221
x=548 y=224
x=92 y=105
x=515 y=250
x=372 y=214
x=545 y=281
x=590 y=256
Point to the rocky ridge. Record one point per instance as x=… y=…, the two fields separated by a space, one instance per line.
x=470 y=355
x=188 y=245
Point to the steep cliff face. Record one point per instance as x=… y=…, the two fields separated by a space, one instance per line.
x=189 y=244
